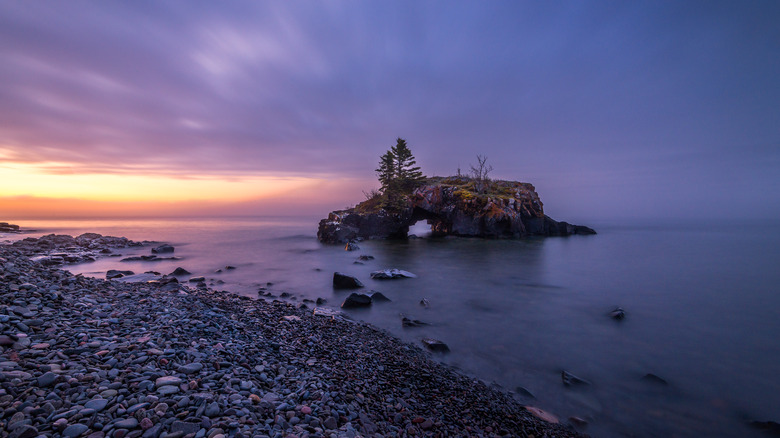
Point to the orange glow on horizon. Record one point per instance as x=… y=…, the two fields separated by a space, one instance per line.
x=32 y=191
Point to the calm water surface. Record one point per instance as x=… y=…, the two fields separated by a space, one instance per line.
x=702 y=304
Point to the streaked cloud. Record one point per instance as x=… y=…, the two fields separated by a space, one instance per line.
x=575 y=97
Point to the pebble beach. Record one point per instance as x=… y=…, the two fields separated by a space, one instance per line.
x=87 y=357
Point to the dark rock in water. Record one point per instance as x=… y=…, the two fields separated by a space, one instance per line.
x=389 y=274
x=321 y=301
x=379 y=296
x=229 y=268
x=577 y=421
x=770 y=427
x=356 y=300
x=524 y=392
x=5 y=227
x=351 y=246
x=406 y=322
x=365 y=258
x=618 y=314
x=344 y=281
x=436 y=345
x=425 y=303
x=113 y=273
x=163 y=249
x=197 y=279
x=570 y=379
x=180 y=271
x=652 y=378
x=148 y=258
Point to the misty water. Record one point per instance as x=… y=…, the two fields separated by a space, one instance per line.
x=701 y=300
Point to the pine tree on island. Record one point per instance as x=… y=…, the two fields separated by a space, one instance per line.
x=398 y=175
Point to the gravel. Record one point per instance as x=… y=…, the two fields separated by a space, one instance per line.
x=86 y=357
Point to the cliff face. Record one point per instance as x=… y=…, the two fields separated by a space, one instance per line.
x=453 y=207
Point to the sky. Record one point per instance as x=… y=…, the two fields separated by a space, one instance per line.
x=642 y=109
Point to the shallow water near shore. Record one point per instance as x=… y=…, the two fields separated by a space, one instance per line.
x=701 y=301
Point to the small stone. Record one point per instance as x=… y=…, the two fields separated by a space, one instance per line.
x=146 y=423
x=24 y=431
x=212 y=410
x=330 y=423
x=191 y=368
x=97 y=404
x=168 y=381
x=127 y=423
x=74 y=430
x=185 y=427
x=305 y=410
x=47 y=379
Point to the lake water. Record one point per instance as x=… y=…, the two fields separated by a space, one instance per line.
x=702 y=306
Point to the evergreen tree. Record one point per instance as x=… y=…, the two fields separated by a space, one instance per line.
x=407 y=174
x=398 y=175
x=386 y=170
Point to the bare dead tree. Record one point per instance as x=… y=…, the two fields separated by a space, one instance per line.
x=480 y=173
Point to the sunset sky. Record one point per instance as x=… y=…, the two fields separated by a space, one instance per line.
x=611 y=109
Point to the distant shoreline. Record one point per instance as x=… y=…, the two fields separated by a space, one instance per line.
x=189 y=360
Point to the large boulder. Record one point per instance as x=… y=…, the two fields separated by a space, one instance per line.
x=356 y=300
x=344 y=281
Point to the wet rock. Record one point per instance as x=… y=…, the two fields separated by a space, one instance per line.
x=379 y=296
x=344 y=281
x=180 y=271
x=356 y=300
x=114 y=273
x=351 y=246
x=390 y=274
x=163 y=249
x=570 y=379
x=524 y=392
x=436 y=345
x=407 y=322
x=365 y=258
x=542 y=415
x=617 y=314
x=652 y=378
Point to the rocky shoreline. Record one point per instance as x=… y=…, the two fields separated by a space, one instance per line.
x=85 y=357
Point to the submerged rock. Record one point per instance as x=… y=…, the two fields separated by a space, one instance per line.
x=542 y=415
x=436 y=345
x=163 y=249
x=379 y=296
x=570 y=379
x=407 y=322
x=652 y=378
x=113 y=273
x=344 y=281
x=351 y=246
x=618 y=314
x=390 y=274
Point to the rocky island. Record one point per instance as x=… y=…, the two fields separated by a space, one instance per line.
x=453 y=206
